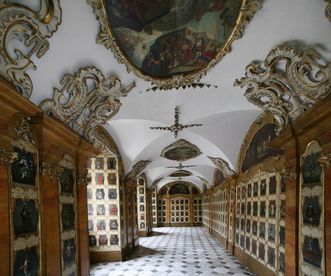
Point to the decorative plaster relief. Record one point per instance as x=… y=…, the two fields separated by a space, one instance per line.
x=32 y=29
x=287 y=83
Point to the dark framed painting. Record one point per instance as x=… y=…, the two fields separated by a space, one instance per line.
x=26 y=262
x=112 y=193
x=111 y=179
x=103 y=240
x=254 y=228
x=67 y=181
x=311 y=211
x=99 y=178
x=68 y=216
x=312 y=171
x=259 y=149
x=24 y=168
x=25 y=217
x=111 y=163
x=311 y=251
x=101 y=210
x=261 y=251
x=272 y=232
x=92 y=240
x=100 y=194
x=99 y=163
x=179 y=189
x=114 y=240
x=69 y=252
x=272 y=185
x=271 y=256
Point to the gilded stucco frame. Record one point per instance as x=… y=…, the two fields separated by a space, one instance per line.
x=105 y=37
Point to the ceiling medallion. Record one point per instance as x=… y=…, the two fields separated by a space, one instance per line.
x=171 y=43
x=180 y=173
x=180 y=150
x=176 y=127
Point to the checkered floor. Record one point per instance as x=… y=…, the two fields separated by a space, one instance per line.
x=175 y=251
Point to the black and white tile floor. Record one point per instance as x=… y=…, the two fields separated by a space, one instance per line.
x=175 y=251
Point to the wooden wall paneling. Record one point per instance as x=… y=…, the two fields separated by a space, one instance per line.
x=85 y=152
x=4 y=214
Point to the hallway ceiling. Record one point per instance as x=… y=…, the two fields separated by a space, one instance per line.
x=223 y=111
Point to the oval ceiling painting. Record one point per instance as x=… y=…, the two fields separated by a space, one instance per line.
x=171 y=42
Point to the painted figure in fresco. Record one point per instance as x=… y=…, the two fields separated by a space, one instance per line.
x=272 y=209
x=101 y=210
x=26 y=217
x=142 y=208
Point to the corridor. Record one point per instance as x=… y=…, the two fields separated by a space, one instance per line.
x=175 y=251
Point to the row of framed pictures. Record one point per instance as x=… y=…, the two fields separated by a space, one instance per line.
x=179 y=207
x=197 y=209
x=311 y=215
x=141 y=204
x=154 y=207
x=260 y=219
x=205 y=211
x=104 y=205
x=102 y=163
x=68 y=218
x=25 y=210
x=220 y=212
x=161 y=210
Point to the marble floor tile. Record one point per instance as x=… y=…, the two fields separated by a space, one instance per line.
x=188 y=251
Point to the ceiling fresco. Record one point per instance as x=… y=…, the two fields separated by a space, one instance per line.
x=171 y=38
x=181 y=150
x=180 y=173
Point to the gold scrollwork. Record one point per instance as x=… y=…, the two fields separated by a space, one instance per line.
x=32 y=28
x=325 y=161
x=48 y=170
x=83 y=179
x=287 y=83
x=83 y=108
x=328 y=10
x=7 y=157
x=105 y=37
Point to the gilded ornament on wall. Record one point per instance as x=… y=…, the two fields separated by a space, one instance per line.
x=32 y=28
x=287 y=83
x=83 y=107
x=171 y=43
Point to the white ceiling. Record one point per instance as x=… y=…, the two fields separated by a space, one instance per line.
x=224 y=112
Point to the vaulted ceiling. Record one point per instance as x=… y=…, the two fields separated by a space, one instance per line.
x=222 y=109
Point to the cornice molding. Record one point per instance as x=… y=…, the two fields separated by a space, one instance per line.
x=32 y=28
x=7 y=157
x=287 y=83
